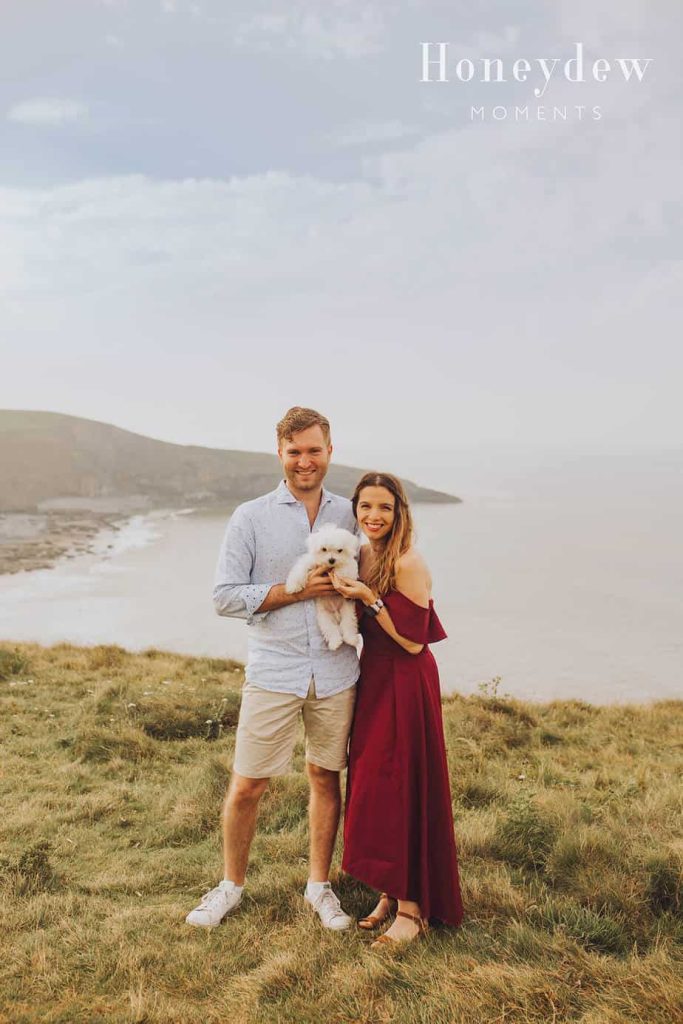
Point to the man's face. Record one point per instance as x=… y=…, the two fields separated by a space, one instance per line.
x=305 y=458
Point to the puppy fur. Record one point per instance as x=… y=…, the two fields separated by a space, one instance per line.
x=337 y=549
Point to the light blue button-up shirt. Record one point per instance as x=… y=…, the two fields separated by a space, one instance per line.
x=285 y=648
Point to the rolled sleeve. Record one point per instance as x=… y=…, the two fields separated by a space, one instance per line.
x=233 y=593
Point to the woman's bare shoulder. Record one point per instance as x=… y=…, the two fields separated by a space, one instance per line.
x=413 y=577
x=411 y=561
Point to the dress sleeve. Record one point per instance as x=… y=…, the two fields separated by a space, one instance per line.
x=421 y=625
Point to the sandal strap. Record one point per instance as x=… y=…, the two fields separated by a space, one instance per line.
x=413 y=917
x=372 y=920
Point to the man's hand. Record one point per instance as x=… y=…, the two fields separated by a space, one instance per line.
x=319 y=585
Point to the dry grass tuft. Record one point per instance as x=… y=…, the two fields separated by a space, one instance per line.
x=12 y=663
x=665 y=882
x=525 y=835
x=31 y=873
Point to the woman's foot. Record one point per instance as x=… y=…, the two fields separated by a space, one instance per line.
x=408 y=925
x=384 y=907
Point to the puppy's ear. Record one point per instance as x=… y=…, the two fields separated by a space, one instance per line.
x=357 y=544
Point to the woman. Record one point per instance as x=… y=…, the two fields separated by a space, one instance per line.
x=398 y=825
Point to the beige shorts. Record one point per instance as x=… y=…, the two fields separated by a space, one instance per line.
x=268 y=726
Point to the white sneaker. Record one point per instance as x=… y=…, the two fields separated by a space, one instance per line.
x=328 y=908
x=215 y=905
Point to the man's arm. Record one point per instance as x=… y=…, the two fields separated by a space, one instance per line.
x=234 y=594
x=319 y=583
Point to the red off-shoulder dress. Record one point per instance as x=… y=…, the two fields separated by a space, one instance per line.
x=398 y=823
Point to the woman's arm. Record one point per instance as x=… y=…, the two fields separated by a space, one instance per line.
x=414 y=582
x=412 y=579
x=385 y=621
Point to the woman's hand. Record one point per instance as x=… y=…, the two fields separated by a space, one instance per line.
x=354 y=590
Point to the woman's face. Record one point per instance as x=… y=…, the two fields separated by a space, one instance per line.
x=375 y=512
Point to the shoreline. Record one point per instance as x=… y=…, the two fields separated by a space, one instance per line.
x=18 y=659
x=39 y=540
x=42 y=538
x=486 y=693
x=31 y=541
x=148 y=583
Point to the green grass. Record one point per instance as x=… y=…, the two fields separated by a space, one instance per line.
x=568 y=820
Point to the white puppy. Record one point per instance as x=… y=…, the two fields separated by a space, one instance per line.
x=337 y=549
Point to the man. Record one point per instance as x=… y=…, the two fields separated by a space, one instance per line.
x=290 y=671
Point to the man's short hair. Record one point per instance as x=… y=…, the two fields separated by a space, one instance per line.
x=297 y=419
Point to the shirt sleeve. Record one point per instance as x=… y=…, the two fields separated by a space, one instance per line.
x=234 y=595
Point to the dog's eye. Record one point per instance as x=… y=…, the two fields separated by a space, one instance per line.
x=340 y=550
x=324 y=549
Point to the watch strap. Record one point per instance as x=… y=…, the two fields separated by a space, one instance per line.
x=374 y=608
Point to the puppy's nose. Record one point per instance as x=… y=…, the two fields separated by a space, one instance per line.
x=331 y=560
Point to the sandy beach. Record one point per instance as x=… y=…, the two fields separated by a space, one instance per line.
x=37 y=540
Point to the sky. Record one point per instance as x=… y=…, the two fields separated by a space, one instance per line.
x=210 y=211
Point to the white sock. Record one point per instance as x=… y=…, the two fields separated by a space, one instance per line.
x=228 y=882
x=313 y=888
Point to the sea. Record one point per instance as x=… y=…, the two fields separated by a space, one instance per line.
x=559 y=576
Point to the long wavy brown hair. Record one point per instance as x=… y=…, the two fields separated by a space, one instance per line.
x=382 y=575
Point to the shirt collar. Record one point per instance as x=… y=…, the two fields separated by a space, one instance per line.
x=284 y=496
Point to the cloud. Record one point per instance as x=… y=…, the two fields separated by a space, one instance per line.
x=361 y=133
x=180 y=7
x=494 y=198
x=49 y=111
x=324 y=35
x=600 y=26
x=494 y=287
x=517 y=277
x=489 y=44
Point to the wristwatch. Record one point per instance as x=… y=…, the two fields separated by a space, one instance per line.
x=374 y=608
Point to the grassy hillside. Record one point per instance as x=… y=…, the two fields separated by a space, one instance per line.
x=567 y=817
x=46 y=455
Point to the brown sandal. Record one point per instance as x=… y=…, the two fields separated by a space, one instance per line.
x=371 y=922
x=387 y=940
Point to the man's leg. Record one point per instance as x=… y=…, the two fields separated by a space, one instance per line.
x=240 y=810
x=266 y=733
x=323 y=816
x=327 y=721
